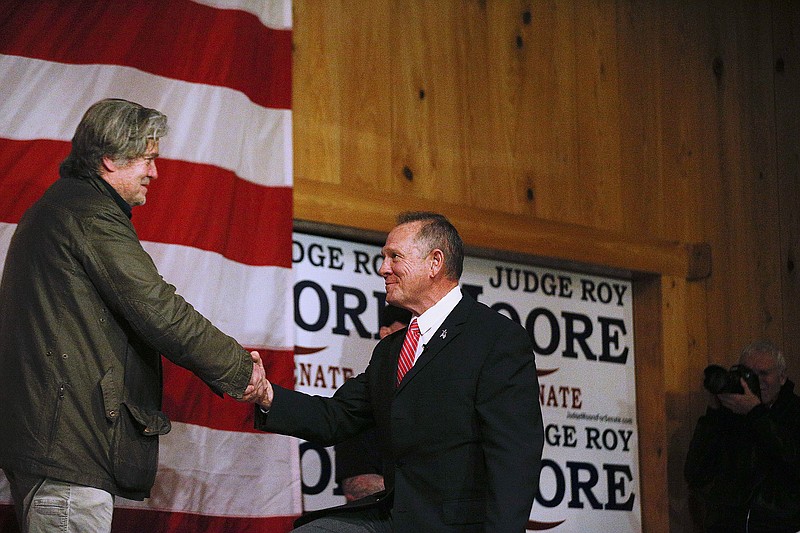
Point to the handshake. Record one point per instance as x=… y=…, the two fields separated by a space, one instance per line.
x=259 y=390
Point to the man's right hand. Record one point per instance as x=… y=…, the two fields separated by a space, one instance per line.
x=259 y=390
x=258 y=380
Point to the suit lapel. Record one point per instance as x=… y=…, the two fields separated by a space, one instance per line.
x=451 y=328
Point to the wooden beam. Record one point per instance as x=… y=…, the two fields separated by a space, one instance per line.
x=519 y=234
x=651 y=404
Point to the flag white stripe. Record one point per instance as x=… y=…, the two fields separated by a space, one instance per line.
x=211 y=472
x=5 y=490
x=225 y=473
x=6 y=232
x=248 y=303
x=46 y=100
x=276 y=14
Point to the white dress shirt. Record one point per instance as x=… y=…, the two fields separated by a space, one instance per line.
x=430 y=321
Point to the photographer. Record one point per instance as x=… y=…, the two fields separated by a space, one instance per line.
x=744 y=458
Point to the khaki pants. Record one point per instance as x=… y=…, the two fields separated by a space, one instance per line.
x=47 y=505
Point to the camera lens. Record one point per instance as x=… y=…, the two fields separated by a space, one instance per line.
x=716 y=379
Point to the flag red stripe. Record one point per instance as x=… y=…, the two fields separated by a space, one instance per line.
x=218 y=212
x=191 y=204
x=187 y=399
x=137 y=520
x=228 y=48
x=27 y=170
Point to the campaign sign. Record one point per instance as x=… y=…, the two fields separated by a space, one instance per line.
x=581 y=328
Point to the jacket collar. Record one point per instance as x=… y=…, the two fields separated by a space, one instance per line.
x=101 y=185
x=125 y=206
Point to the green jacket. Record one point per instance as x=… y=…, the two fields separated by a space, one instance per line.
x=84 y=317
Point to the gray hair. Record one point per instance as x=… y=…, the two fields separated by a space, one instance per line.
x=438 y=232
x=767 y=347
x=113 y=128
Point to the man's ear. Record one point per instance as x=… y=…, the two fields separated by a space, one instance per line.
x=109 y=165
x=437 y=262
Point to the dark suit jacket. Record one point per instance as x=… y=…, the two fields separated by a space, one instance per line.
x=463 y=431
x=358 y=456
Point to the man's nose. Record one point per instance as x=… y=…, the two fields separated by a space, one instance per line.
x=384 y=270
x=152 y=170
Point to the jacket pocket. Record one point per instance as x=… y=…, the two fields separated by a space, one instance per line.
x=110 y=391
x=135 y=449
x=469 y=511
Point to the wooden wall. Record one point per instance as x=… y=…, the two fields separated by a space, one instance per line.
x=659 y=138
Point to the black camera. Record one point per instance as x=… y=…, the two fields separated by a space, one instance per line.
x=720 y=381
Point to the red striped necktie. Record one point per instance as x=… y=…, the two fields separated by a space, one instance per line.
x=409 y=349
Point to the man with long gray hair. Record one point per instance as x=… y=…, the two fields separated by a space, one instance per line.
x=85 y=319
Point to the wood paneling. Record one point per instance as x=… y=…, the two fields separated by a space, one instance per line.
x=659 y=138
x=786 y=55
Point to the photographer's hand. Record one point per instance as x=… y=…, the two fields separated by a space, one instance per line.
x=713 y=401
x=740 y=403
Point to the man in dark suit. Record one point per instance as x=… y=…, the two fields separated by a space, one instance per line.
x=462 y=428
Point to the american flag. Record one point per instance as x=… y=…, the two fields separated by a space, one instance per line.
x=218 y=222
